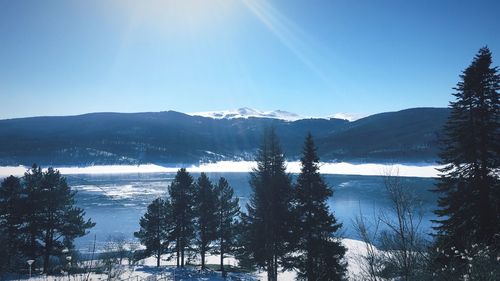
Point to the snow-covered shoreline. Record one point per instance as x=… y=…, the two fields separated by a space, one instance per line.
x=146 y=268
x=341 y=168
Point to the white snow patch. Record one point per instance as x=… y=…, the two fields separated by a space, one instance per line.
x=246 y=112
x=6 y=171
x=356 y=251
x=348 y=116
x=342 y=168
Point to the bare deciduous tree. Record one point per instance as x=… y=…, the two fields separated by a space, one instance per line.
x=397 y=230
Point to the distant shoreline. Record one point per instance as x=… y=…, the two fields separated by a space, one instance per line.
x=341 y=168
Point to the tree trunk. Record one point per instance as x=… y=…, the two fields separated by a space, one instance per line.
x=221 y=213
x=33 y=246
x=270 y=272
x=274 y=260
x=181 y=238
x=46 y=261
x=487 y=225
x=11 y=248
x=310 y=274
x=158 y=256
x=48 y=246
x=276 y=268
x=182 y=253
x=177 y=251
x=202 y=248
x=202 y=256
x=222 y=257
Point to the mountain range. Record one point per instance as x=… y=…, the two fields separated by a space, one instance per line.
x=170 y=137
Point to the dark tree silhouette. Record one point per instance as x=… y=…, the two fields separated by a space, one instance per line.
x=32 y=179
x=268 y=221
x=206 y=215
x=321 y=254
x=155 y=225
x=182 y=199
x=227 y=211
x=11 y=220
x=53 y=222
x=469 y=183
x=61 y=221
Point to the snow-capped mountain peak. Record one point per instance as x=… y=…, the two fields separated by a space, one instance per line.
x=246 y=112
x=348 y=116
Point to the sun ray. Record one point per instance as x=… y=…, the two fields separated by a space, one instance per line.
x=292 y=38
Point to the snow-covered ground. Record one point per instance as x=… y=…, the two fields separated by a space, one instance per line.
x=146 y=270
x=342 y=168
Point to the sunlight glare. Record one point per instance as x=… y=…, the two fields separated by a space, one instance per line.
x=293 y=38
x=180 y=16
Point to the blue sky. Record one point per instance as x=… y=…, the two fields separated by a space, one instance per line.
x=314 y=58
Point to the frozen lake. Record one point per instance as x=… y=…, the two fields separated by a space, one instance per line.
x=117 y=201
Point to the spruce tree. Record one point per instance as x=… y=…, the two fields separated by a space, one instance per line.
x=11 y=221
x=320 y=253
x=154 y=229
x=182 y=199
x=206 y=215
x=469 y=182
x=227 y=210
x=269 y=218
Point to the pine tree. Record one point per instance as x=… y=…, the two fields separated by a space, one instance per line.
x=206 y=215
x=40 y=212
x=227 y=211
x=154 y=230
x=469 y=183
x=11 y=220
x=320 y=253
x=32 y=227
x=182 y=199
x=269 y=217
x=60 y=221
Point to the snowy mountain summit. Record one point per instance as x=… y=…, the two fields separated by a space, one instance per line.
x=246 y=112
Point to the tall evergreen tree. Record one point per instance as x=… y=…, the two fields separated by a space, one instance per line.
x=206 y=215
x=469 y=183
x=154 y=230
x=227 y=210
x=182 y=199
x=60 y=220
x=11 y=220
x=40 y=212
x=321 y=254
x=269 y=218
x=32 y=227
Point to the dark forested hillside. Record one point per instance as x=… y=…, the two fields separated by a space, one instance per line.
x=407 y=135
x=173 y=137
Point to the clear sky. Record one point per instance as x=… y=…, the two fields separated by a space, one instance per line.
x=314 y=58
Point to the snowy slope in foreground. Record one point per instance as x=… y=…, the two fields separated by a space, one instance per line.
x=146 y=271
x=246 y=112
x=342 y=168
